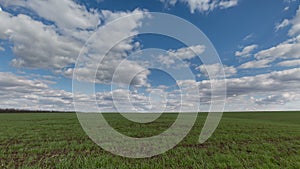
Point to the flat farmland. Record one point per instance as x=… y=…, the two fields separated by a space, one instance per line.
x=242 y=140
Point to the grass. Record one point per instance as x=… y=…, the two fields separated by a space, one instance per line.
x=242 y=140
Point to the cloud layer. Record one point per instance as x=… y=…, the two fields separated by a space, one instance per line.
x=42 y=38
x=267 y=90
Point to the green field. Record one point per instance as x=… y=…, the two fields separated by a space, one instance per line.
x=242 y=140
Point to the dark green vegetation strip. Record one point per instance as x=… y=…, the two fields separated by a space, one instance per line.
x=242 y=140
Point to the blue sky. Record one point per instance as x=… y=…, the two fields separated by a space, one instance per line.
x=258 y=43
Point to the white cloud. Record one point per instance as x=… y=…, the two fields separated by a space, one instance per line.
x=37 y=45
x=20 y=92
x=250 y=93
x=187 y=53
x=295 y=24
x=281 y=25
x=215 y=70
x=183 y=53
x=285 y=50
x=114 y=70
x=256 y=64
x=1 y=48
x=280 y=99
x=56 y=47
x=65 y=13
x=277 y=81
x=242 y=91
x=130 y=101
x=259 y=92
x=288 y=49
x=204 y=5
x=106 y=37
x=246 y=51
x=228 y=4
x=289 y=63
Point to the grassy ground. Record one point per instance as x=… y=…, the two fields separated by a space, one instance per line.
x=242 y=140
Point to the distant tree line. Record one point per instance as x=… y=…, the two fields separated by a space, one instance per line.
x=30 y=111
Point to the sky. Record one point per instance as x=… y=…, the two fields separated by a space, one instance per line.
x=54 y=53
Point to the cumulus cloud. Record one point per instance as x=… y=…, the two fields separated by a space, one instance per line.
x=204 y=5
x=131 y=101
x=56 y=46
x=74 y=15
x=256 y=64
x=215 y=70
x=37 y=45
x=280 y=99
x=181 y=54
x=20 y=92
x=278 y=87
x=259 y=92
x=187 y=53
x=154 y=99
x=285 y=50
x=288 y=49
x=110 y=71
x=295 y=24
x=265 y=83
x=117 y=40
x=246 y=51
x=289 y=63
x=267 y=89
